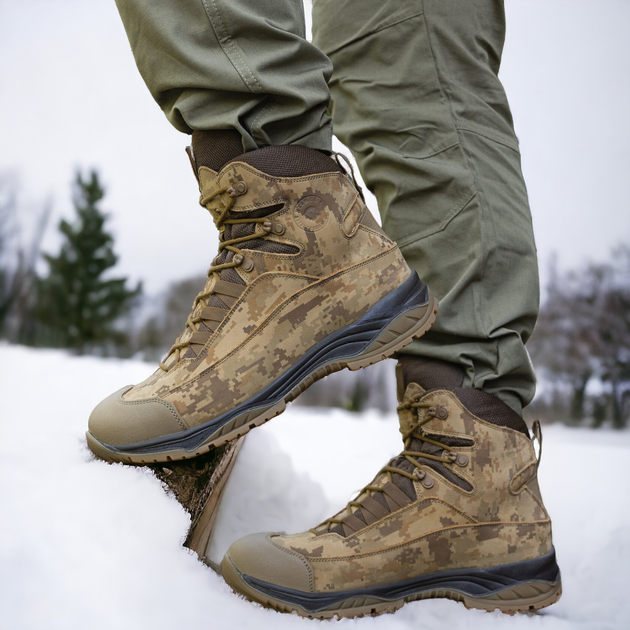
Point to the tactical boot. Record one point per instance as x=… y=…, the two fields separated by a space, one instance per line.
x=305 y=283
x=457 y=514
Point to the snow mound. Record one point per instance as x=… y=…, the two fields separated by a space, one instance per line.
x=265 y=494
x=84 y=544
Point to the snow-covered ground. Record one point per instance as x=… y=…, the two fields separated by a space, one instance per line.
x=86 y=545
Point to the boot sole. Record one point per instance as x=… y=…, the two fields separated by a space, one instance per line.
x=372 y=338
x=525 y=586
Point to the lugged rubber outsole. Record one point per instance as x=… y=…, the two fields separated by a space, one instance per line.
x=400 y=332
x=528 y=596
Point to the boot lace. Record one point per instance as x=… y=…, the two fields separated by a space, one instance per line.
x=220 y=220
x=447 y=457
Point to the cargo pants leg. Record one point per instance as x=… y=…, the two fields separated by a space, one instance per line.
x=417 y=98
x=233 y=64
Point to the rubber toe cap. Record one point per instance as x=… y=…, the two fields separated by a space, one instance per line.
x=115 y=421
x=259 y=557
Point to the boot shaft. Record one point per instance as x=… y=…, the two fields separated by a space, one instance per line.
x=491 y=471
x=317 y=224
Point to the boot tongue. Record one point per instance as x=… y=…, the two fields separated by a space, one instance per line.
x=408 y=417
x=215 y=149
x=212 y=149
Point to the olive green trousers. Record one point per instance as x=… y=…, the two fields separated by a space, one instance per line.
x=412 y=89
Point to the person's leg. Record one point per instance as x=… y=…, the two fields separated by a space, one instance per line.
x=305 y=282
x=226 y=64
x=416 y=97
x=459 y=513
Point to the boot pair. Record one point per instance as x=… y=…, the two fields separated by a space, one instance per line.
x=306 y=283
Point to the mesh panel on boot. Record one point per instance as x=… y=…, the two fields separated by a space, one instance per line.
x=271 y=247
x=439 y=467
x=436 y=374
x=378 y=496
x=260 y=244
x=289 y=160
x=215 y=147
x=451 y=441
x=230 y=275
x=491 y=409
x=405 y=484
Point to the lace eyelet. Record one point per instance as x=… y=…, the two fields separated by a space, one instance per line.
x=240 y=188
x=457 y=458
x=274 y=227
x=245 y=263
x=462 y=460
x=423 y=478
x=441 y=413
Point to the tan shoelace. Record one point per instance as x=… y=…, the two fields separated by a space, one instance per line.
x=193 y=321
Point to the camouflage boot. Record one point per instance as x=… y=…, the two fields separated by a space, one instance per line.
x=457 y=514
x=305 y=283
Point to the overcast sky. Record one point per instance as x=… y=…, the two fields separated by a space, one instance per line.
x=70 y=96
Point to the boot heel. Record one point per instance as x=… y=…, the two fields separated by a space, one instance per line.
x=398 y=334
x=530 y=596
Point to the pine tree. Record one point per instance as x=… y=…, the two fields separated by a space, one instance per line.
x=77 y=304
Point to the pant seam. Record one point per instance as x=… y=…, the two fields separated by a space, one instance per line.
x=466 y=198
x=479 y=327
x=382 y=27
x=378 y=29
x=431 y=155
x=489 y=136
x=226 y=42
x=257 y=129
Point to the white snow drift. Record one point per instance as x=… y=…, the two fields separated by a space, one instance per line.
x=87 y=545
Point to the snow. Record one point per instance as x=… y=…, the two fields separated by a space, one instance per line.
x=84 y=544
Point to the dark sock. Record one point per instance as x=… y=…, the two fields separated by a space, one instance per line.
x=216 y=147
x=430 y=373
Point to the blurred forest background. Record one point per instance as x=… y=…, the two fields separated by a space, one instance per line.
x=73 y=299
